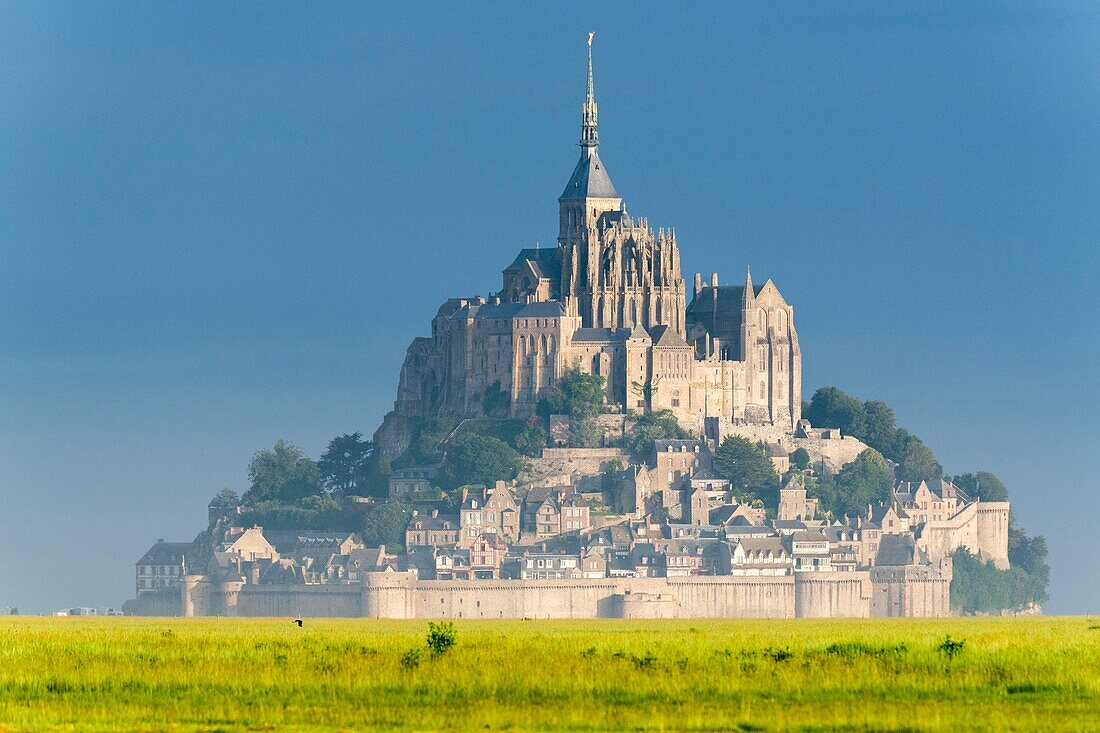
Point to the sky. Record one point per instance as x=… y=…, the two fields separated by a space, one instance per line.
x=222 y=223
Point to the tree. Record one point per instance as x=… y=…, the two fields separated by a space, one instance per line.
x=880 y=429
x=746 y=465
x=576 y=395
x=983 y=485
x=532 y=439
x=284 y=473
x=648 y=429
x=979 y=587
x=831 y=408
x=227 y=497
x=495 y=400
x=385 y=524
x=477 y=459
x=866 y=480
x=800 y=459
x=918 y=463
x=346 y=462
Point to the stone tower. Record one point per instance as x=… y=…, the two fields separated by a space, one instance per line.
x=615 y=273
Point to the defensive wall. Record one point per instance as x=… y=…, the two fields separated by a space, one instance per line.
x=402 y=596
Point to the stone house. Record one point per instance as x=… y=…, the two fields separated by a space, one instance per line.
x=161 y=567
x=543 y=566
x=493 y=510
x=675 y=461
x=760 y=556
x=408 y=481
x=434 y=530
x=810 y=551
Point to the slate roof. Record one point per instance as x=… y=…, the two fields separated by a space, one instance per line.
x=165 y=553
x=600 y=334
x=285 y=541
x=545 y=262
x=896 y=549
x=589 y=179
x=721 y=318
x=666 y=336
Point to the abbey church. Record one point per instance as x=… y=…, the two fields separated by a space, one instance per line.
x=611 y=300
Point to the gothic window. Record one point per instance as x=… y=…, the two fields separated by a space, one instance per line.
x=596 y=364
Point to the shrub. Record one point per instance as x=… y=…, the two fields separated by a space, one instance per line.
x=441 y=637
x=951 y=648
x=411 y=659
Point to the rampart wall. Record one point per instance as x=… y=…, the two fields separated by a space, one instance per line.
x=908 y=592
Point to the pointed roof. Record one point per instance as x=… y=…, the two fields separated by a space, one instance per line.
x=589 y=179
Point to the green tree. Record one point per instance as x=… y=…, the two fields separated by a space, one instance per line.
x=979 y=587
x=576 y=394
x=982 y=485
x=346 y=462
x=476 y=459
x=880 y=429
x=649 y=428
x=385 y=524
x=832 y=408
x=284 y=473
x=918 y=463
x=532 y=439
x=746 y=465
x=800 y=459
x=495 y=400
x=226 y=497
x=866 y=480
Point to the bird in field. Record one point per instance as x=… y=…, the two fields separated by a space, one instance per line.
x=298 y=621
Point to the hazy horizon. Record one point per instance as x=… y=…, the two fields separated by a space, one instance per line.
x=222 y=225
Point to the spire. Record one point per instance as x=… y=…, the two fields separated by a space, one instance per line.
x=749 y=294
x=589 y=137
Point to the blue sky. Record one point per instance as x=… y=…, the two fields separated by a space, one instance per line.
x=221 y=224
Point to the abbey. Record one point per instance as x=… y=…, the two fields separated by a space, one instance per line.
x=610 y=300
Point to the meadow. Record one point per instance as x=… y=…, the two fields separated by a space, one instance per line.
x=330 y=675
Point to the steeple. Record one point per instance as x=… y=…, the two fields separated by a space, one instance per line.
x=590 y=137
x=589 y=179
x=749 y=295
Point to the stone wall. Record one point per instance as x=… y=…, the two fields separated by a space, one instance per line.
x=911 y=590
x=908 y=591
x=395 y=595
x=567 y=461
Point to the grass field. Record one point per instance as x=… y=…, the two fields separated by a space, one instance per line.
x=270 y=675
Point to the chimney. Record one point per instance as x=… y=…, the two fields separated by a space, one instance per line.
x=714 y=279
x=465 y=494
x=435 y=513
x=698 y=283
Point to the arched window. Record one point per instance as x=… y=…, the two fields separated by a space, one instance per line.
x=762 y=320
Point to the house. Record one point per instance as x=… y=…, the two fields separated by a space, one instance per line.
x=552 y=511
x=161 y=567
x=675 y=461
x=487 y=554
x=434 y=530
x=760 y=556
x=407 y=481
x=246 y=545
x=593 y=564
x=491 y=510
x=542 y=566
x=810 y=551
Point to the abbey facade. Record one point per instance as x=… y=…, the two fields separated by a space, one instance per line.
x=610 y=300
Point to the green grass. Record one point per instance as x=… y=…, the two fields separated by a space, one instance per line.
x=269 y=675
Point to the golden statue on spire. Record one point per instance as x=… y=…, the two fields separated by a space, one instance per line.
x=590 y=34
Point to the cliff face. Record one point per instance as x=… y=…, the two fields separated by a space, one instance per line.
x=394 y=435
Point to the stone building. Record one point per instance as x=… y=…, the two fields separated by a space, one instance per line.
x=609 y=299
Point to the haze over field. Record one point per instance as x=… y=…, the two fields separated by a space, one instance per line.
x=221 y=226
